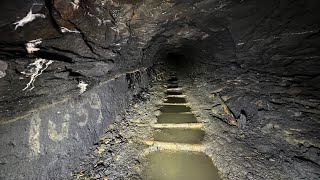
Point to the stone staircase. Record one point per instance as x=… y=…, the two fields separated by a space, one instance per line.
x=176 y=149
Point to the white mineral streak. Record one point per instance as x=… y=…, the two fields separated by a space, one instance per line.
x=83 y=86
x=35 y=69
x=30 y=17
x=31 y=45
x=75 y=4
x=66 y=30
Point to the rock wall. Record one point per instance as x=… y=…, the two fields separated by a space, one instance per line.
x=45 y=143
x=91 y=40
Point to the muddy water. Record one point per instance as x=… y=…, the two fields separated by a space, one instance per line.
x=178 y=163
x=192 y=136
x=173 y=86
x=172 y=82
x=169 y=165
x=175 y=100
x=172 y=79
x=173 y=93
x=176 y=118
x=174 y=109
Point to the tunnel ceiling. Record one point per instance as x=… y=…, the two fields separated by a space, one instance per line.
x=50 y=49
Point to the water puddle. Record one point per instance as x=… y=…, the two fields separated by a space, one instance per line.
x=174 y=108
x=172 y=82
x=172 y=86
x=170 y=165
x=175 y=100
x=176 y=118
x=173 y=93
x=172 y=79
x=192 y=136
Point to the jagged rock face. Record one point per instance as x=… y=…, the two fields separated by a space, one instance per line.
x=94 y=40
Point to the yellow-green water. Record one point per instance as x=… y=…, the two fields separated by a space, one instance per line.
x=174 y=108
x=192 y=136
x=170 y=165
x=176 y=118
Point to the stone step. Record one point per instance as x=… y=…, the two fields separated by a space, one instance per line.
x=159 y=145
x=178 y=126
x=175 y=89
x=176 y=104
x=178 y=96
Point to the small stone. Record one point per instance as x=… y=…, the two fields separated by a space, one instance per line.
x=157 y=112
x=100 y=150
x=97 y=176
x=272 y=160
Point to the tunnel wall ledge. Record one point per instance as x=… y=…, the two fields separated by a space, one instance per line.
x=46 y=143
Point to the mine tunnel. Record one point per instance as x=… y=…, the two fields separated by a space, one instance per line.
x=159 y=89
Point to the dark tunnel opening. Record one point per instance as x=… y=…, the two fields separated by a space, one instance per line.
x=193 y=89
x=179 y=61
x=176 y=59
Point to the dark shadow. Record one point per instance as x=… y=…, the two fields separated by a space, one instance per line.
x=178 y=60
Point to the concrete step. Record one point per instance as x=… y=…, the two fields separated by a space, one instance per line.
x=174 y=146
x=178 y=126
x=176 y=104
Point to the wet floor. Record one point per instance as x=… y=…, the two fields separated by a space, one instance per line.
x=173 y=93
x=169 y=165
x=176 y=118
x=191 y=136
x=172 y=86
x=179 y=155
x=174 y=109
x=172 y=80
x=175 y=100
